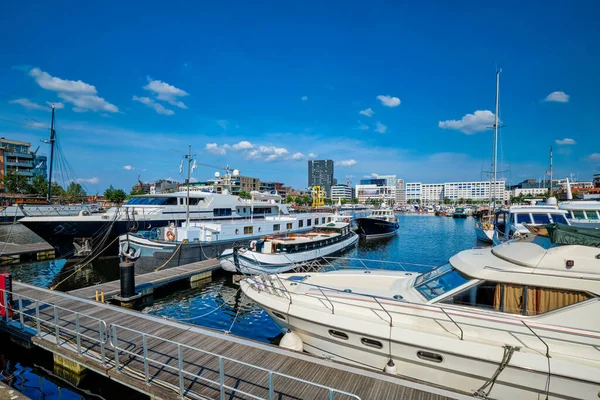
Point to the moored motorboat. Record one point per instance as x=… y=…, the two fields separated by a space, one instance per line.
x=380 y=223
x=285 y=252
x=511 y=321
x=459 y=212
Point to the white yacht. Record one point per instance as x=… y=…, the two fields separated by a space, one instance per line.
x=583 y=213
x=285 y=252
x=516 y=321
x=145 y=212
x=509 y=224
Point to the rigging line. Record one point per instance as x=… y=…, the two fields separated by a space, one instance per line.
x=21 y=123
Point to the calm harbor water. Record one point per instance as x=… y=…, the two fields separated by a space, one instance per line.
x=218 y=303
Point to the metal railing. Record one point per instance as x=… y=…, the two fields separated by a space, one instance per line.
x=92 y=337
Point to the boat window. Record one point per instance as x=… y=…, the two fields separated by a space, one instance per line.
x=559 y=218
x=153 y=201
x=328 y=219
x=523 y=219
x=516 y=299
x=323 y=220
x=338 y=334
x=222 y=212
x=276 y=227
x=578 y=214
x=592 y=214
x=439 y=281
x=371 y=343
x=308 y=222
x=429 y=356
x=540 y=218
x=316 y=221
x=300 y=224
x=289 y=226
x=248 y=230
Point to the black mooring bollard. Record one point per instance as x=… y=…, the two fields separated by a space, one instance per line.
x=127 y=279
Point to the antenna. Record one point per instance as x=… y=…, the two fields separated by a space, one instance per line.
x=52 y=140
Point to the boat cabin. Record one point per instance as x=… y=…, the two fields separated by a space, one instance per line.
x=509 y=223
x=321 y=236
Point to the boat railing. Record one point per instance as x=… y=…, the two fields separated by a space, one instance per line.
x=329 y=297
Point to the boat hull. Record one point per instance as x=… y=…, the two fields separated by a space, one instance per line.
x=253 y=263
x=484 y=235
x=371 y=228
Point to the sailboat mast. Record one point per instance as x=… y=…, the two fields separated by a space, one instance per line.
x=550 y=170
x=495 y=150
x=52 y=140
x=187 y=201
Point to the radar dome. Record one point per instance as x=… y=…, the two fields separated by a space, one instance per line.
x=217 y=174
x=236 y=172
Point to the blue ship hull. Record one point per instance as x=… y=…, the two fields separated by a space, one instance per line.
x=374 y=228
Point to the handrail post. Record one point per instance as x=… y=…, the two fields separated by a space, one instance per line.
x=38 y=323
x=221 y=379
x=56 y=327
x=180 y=368
x=450 y=318
x=102 y=334
x=332 y=307
x=271 y=390
x=115 y=346
x=331 y=394
x=145 y=349
x=5 y=296
x=21 y=312
x=77 y=337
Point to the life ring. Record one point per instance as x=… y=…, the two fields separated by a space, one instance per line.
x=170 y=236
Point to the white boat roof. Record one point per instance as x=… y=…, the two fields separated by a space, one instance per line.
x=535 y=209
x=333 y=224
x=528 y=263
x=589 y=205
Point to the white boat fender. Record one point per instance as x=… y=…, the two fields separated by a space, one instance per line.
x=291 y=341
x=390 y=368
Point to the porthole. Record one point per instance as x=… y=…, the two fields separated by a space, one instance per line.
x=348 y=290
x=429 y=356
x=338 y=334
x=237 y=231
x=278 y=315
x=259 y=229
x=367 y=272
x=371 y=343
x=398 y=297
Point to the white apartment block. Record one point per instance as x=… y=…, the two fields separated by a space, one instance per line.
x=435 y=193
x=341 y=192
x=365 y=193
x=432 y=193
x=413 y=191
x=530 y=191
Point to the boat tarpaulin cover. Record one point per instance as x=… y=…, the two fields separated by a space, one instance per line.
x=565 y=234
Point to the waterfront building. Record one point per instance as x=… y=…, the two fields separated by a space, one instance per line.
x=516 y=192
x=432 y=193
x=436 y=193
x=341 y=192
x=413 y=192
x=16 y=156
x=400 y=193
x=274 y=187
x=244 y=184
x=377 y=189
x=320 y=173
x=165 y=186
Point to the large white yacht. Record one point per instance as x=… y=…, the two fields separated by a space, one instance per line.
x=146 y=212
x=511 y=223
x=517 y=321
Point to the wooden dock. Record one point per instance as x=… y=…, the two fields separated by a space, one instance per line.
x=146 y=283
x=167 y=359
x=13 y=253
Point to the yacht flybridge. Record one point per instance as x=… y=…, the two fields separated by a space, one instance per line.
x=146 y=212
x=513 y=321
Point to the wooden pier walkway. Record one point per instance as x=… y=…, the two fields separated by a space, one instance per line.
x=147 y=282
x=12 y=252
x=168 y=359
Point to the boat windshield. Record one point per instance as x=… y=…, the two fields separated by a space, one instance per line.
x=153 y=201
x=439 y=281
x=559 y=218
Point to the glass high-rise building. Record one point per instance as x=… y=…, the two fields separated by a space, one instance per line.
x=320 y=173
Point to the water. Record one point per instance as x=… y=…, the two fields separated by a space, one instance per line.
x=218 y=303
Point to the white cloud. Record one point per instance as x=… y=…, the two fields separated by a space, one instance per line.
x=470 y=123
x=214 y=148
x=28 y=104
x=48 y=82
x=298 y=156
x=363 y=127
x=304 y=98
x=243 y=145
x=565 y=141
x=166 y=92
x=58 y=105
x=93 y=180
x=38 y=125
x=82 y=95
x=311 y=155
x=223 y=123
x=380 y=128
x=128 y=168
x=346 y=163
x=558 y=97
x=159 y=108
x=368 y=112
x=389 y=101
x=594 y=156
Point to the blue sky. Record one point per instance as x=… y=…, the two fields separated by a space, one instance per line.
x=402 y=88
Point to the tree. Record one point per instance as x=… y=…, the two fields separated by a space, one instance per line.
x=136 y=192
x=56 y=190
x=15 y=183
x=39 y=186
x=75 y=191
x=327 y=201
x=354 y=200
x=289 y=199
x=244 y=195
x=115 y=195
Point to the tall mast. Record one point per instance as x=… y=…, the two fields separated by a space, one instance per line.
x=550 y=170
x=495 y=142
x=52 y=140
x=187 y=202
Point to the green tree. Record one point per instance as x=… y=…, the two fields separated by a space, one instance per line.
x=15 y=183
x=108 y=193
x=75 y=191
x=289 y=199
x=119 y=196
x=354 y=200
x=244 y=195
x=327 y=201
x=136 y=192
x=39 y=186
x=56 y=190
